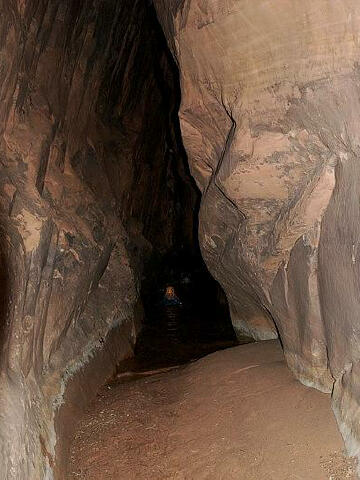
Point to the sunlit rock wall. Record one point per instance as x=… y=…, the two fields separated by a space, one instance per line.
x=88 y=187
x=270 y=120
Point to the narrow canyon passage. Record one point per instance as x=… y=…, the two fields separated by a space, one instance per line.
x=179 y=239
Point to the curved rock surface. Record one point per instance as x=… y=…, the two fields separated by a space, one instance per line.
x=270 y=121
x=89 y=184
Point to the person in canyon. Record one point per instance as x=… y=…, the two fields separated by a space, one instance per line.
x=170 y=298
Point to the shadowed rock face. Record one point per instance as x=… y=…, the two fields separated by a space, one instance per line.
x=89 y=185
x=270 y=121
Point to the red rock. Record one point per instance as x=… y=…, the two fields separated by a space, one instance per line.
x=87 y=90
x=270 y=121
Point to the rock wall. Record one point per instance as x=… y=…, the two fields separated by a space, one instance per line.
x=270 y=120
x=90 y=183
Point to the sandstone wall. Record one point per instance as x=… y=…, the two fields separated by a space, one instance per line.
x=89 y=185
x=270 y=120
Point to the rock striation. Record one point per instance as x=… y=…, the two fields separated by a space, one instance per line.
x=90 y=184
x=270 y=121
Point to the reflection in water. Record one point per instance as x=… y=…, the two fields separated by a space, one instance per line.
x=175 y=333
x=172 y=325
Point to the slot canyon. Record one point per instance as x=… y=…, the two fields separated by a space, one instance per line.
x=179 y=239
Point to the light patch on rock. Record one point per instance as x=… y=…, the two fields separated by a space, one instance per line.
x=30 y=229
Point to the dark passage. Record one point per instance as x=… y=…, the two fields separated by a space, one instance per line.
x=176 y=334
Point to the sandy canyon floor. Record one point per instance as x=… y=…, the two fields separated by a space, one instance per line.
x=235 y=414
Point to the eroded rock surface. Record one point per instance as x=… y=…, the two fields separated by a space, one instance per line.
x=270 y=121
x=89 y=185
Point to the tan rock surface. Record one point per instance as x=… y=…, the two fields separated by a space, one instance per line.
x=270 y=121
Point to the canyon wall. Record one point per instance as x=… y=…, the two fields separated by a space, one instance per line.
x=270 y=119
x=90 y=185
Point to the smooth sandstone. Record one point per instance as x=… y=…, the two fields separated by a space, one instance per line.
x=270 y=121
